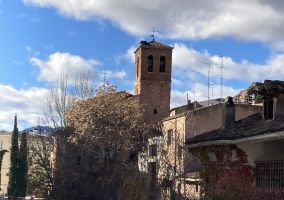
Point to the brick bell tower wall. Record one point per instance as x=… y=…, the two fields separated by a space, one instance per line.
x=153 y=67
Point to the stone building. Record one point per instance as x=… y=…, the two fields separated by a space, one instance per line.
x=34 y=134
x=245 y=157
x=182 y=125
x=5 y=144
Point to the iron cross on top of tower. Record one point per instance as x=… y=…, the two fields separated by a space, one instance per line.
x=153 y=34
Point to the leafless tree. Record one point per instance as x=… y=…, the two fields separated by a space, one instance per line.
x=41 y=164
x=62 y=96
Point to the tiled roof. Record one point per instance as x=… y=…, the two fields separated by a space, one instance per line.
x=253 y=125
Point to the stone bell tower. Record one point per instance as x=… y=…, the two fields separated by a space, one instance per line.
x=153 y=67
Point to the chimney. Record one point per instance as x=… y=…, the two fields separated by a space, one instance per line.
x=268 y=107
x=188 y=101
x=194 y=104
x=228 y=112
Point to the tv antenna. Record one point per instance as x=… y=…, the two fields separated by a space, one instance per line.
x=208 y=83
x=212 y=84
x=221 y=78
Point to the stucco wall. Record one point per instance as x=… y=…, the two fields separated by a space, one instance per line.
x=263 y=151
x=171 y=151
x=279 y=105
x=5 y=140
x=203 y=120
x=210 y=118
x=245 y=110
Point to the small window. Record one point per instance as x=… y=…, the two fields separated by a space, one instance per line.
x=153 y=150
x=196 y=188
x=155 y=111
x=150 y=64
x=179 y=187
x=78 y=160
x=132 y=156
x=162 y=64
x=180 y=151
x=152 y=167
x=170 y=137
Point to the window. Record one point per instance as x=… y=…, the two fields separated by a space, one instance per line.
x=170 y=137
x=162 y=64
x=153 y=150
x=270 y=174
x=155 y=111
x=78 y=160
x=268 y=108
x=132 y=156
x=150 y=64
x=180 y=151
x=196 y=188
x=152 y=168
x=179 y=187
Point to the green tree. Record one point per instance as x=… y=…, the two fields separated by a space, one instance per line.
x=13 y=178
x=23 y=166
x=258 y=99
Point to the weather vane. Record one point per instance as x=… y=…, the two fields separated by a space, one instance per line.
x=153 y=34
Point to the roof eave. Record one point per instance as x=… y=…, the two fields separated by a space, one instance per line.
x=258 y=138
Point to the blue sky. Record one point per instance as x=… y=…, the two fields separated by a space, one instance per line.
x=40 y=38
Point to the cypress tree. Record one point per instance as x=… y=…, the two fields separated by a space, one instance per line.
x=23 y=167
x=13 y=175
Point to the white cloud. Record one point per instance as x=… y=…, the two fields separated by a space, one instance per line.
x=59 y=64
x=27 y=103
x=128 y=55
x=187 y=60
x=189 y=19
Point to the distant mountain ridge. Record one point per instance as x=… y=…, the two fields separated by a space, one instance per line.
x=41 y=130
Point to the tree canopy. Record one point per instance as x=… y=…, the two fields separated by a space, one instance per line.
x=111 y=120
x=99 y=149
